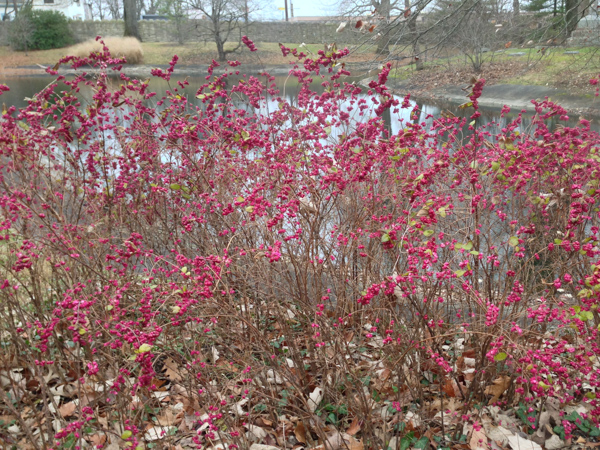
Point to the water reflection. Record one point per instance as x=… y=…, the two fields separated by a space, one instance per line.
x=22 y=88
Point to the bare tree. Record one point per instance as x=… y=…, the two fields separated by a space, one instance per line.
x=222 y=22
x=112 y=8
x=419 y=28
x=176 y=11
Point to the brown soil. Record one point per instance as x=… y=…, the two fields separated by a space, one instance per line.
x=421 y=82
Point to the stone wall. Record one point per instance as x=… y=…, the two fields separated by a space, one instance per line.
x=166 y=31
x=3 y=33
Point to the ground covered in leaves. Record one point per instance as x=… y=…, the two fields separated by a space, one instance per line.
x=426 y=411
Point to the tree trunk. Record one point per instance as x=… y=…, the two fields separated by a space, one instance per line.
x=571 y=7
x=516 y=7
x=383 y=46
x=220 y=48
x=412 y=29
x=130 y=18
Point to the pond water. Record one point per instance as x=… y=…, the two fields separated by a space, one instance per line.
x=26 y=86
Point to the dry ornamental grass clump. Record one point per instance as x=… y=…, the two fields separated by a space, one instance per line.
x=120 y=47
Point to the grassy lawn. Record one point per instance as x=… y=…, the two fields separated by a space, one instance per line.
x=160 y=53
x=553 y=66
x=531 y=66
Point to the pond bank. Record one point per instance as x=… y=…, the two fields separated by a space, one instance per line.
x=495 y=96
x=518 y=97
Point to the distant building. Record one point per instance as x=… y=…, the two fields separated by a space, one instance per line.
x=7 y=8
x=73 y=9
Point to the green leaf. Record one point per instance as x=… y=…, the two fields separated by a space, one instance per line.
x=175 y=186
x=422 y=443
x=385 y=238
x=442 y=212
x=406 y=441
x=513 y=241
x=460 y=273
x=126 y=434
x=500 y=356
x=249 y=209
x=468 y=246
x=474 y=253
x=144 y=348
x=495 y=166
x=427 y=233
x=557 y=241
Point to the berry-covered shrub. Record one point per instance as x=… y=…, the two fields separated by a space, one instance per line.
x=254 y=270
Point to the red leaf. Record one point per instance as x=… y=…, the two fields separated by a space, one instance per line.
x=407 y=13
x=372 y=28
x=359 y=24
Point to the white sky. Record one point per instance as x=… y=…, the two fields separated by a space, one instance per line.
x=301 y=8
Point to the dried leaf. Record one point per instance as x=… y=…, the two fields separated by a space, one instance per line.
x=300 y=432
x=171 y=371
x=479 y=440
x=354 y=427
x=407 y=13
x=519 y=443
x=315 y=398
x=498 y=434
x=359 y=24
x=258 y=432
x=496 y=390
x=97 y=439
x=341 y=27
x=156 y=433
x=68 y=409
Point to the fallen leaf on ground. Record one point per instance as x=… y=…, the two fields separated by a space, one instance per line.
x=499 y=434
x=171 y=370
x=479 y=440
x=496 y=390
x=354 y=427
x=300 y=432
x=519 y=443
x=156 y=433
x=68 y=409
x=315 y=398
